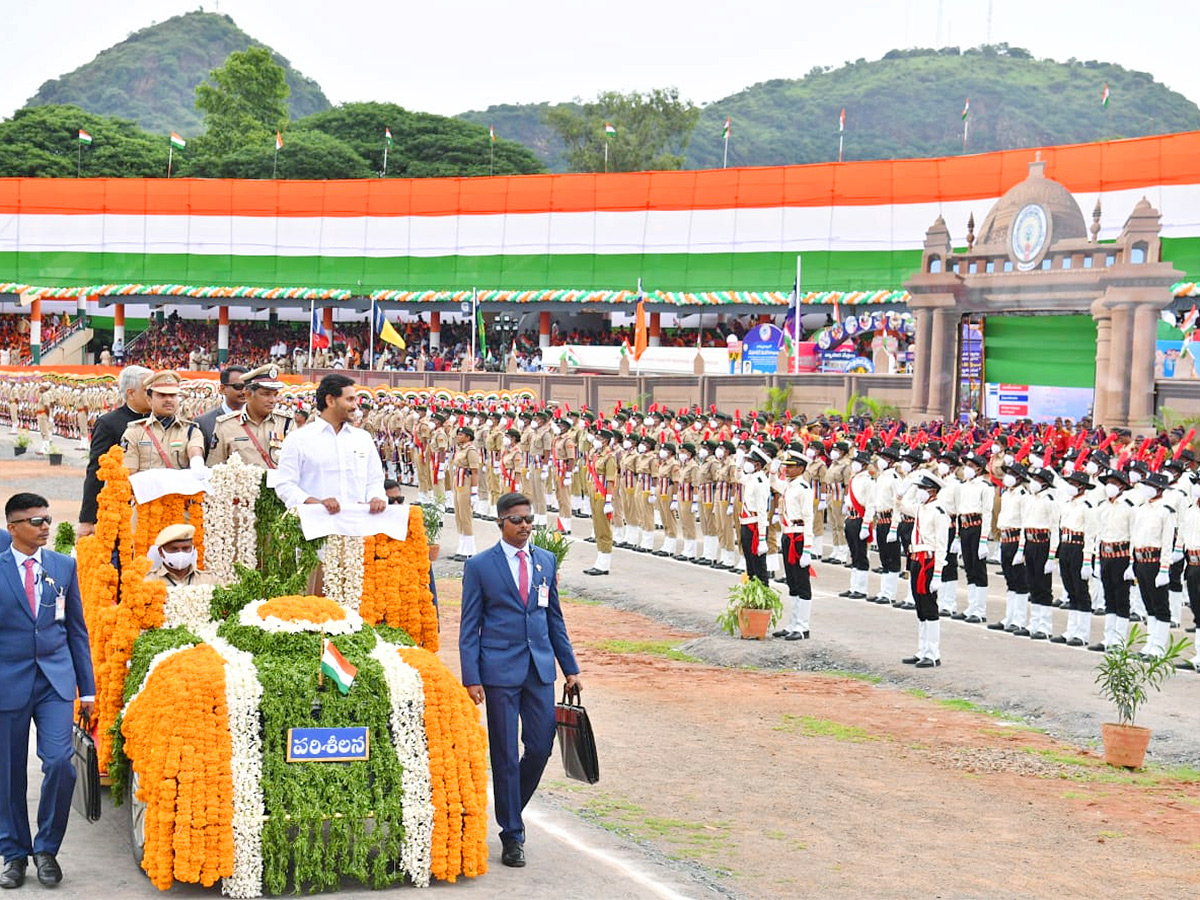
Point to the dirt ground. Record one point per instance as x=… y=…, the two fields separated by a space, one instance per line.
x=778 y=784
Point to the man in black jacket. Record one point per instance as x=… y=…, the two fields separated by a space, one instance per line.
x=107 y=432
x=233 y=399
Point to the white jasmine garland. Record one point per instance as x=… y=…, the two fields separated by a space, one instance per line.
x=188 y=605
x=229 y=534
x=243 y=691
x=406 y=693
x=250 y=616
x=343 y=562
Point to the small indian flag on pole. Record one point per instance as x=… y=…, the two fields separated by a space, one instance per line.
x=626 y=350
x=337 y=667
x=177 y=142
x=1189 y=320
x=610 y=128
x=966 y=109
x=1104 y=96
x=842 y=120
x=387 y=135
x=278 y=141
x=492 y=133
x=84 y=137
x=725 y=132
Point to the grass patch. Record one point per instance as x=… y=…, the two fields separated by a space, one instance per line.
x=812 y=727
x=1075 y=795
x=1109 y=835
x=1096 y=771
x=578 y=601
x=917 y=692
x=685 y=839
x=775 y=835
x=661 y=649
x=846 y=673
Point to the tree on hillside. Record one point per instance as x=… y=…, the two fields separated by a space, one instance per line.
x=653 y=130
x=424 y=145
x=305 y=154
x=246 y=100
x=43 y=142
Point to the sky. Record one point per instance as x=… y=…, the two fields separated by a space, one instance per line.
x=451 y=56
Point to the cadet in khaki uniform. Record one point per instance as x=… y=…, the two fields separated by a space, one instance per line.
x=668 y=503
x=563 y=451
x=815 y=474
x=706 y=467
x=465 y=463
x=643 y=467
x=256 y=431
x=162 y=440
x=540 y=445
x=627 y=466
x=837 y=476
x=423 y=436
x=686 y=504
x=495 y=447
x=602 y=473
x=512 y=462
x=175 y=557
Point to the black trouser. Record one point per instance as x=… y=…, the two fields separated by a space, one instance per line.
x=1015 y=578
x=950 y=569
x=857 y=544
x=976 y=568
x=904 y=531
x=1116 y=588
x=1176 y=582
x=1191 y=579
x=889 y=554
x=1154 y=597
x=924 y=597
x=1041 y=588
x=756 y=564
x=1070 y=567
x=799 y=581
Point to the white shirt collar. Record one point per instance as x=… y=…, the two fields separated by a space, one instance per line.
x=20 y=557
x=510 y=552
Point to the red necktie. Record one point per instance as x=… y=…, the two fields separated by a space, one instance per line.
x=29 y=595
x=522 y=578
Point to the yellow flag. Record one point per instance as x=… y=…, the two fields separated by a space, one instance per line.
x=391 y=335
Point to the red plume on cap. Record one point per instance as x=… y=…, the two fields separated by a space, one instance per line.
x=1026 y=447
x=618 y=406
x=653 y=407
x=1142 y=450
x=462 y=420
x=863 y=437
x=566 y=407
x=1123 y=459
x=892 y=434
x=737 y=418
x=712 y=407
x=1079 y=439
x=1185 y=443
x=1081 y=459
x=983 y=445
x=1108 y=440
x=1159 y=455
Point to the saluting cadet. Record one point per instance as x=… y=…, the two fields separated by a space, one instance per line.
x=975 y=496
x=858 y=529
x=797 y=512
x=466 y=490
x=602 y=475
x=162 y=440
x=1151 y=536
x=931 y=541
x=1076 y=537
x=1115 y=518
x=512 y=462
x=754 y=513
x=837 y=476
x=256 y=431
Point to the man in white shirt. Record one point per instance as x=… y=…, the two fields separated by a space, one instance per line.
x=331 y=462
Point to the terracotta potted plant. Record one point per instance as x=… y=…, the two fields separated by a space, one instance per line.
x=432 y=514
x=1125 y=676
x=752 y=610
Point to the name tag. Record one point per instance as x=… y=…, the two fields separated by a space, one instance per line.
x=543 y=594
x=60 y=607
x=236 y=439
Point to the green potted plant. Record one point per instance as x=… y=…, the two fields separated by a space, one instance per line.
x=54 y=454
x=554 y=541
x=753 y=609
x=64 y=538
x=1125 y=676
x=21 y=445
x=432 y=514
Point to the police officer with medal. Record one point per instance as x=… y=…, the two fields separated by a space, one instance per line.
x=255 y=432
x=163 y=440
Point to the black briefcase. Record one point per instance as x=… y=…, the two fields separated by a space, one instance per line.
x=86 y=798
x=575 y=738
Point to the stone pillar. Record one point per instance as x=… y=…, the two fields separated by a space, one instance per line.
x=544 y=329
x=920 y=367
x=1100 y=403
x=35 y=332
x=655 y=330
x=1120 y=345
x=81 y=310
x=435 y=331
x=1141 y=364
x=942 y=366
x=222 y=334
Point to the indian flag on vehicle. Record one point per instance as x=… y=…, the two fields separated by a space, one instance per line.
x=84 y=137
x=337 y=667
x=610 y=128
x=177 y=142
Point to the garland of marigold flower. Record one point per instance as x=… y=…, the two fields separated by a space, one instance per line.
x=183 y=757
x=170 y=509
x=307 y=608
x=396 y=584
x=457 y=770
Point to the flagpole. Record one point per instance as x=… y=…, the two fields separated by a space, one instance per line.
x=606 y=152
x=796 y=323
x=79 y=159
x=966 y=126
x=385 y=149
x=841 y=141
x=474 y=323
x=312 y=320
x=275 y=164
x=170 y=156
x=371 y=351
x=725 y=157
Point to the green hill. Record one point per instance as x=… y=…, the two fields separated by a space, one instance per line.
x=523 y=123
x=151 y=76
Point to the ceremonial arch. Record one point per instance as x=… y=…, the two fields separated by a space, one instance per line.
x=1089 y=310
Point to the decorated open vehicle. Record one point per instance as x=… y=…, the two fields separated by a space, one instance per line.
x=204 y=698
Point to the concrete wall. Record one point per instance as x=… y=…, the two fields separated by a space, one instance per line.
x=1180 y=395
x=811 y=393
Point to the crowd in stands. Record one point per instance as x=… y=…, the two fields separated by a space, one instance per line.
x=14 y=335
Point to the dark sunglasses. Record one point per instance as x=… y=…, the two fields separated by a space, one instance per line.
x=35 y=521
x=240 y=386
x=395 y=500
x=517 y=520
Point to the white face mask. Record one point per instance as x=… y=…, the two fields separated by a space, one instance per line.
x=628 y=445
x=1035 y=462
x=720 y=452
x=180 y=559
x=1112 y=490
x=507 y=442
x=855 y=466
x=1036 y=486
x=1146 y=491
x=836 y=454
x=943 y=469
x=712 y=423
x=905 y=466
x=596 y=442
x=1091 y=468
x=996 y=448
x=649 y=422
x=1008 y=459
x=1195 y=491
x=811 y=454
x=1010 y=481
x=641 y=448
x=1134 y=476
x=969 y=472
x=922 y=495
x=663 y=454
x=883 y=463
x=1068 y=468
x=702 y=453
x=748 y=468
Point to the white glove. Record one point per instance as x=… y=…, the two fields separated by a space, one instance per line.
x=774 y=466
x=846 y=509
x=892 y=536
x=1085 y=572
x=729 y=509
x=1019 y=558
x=674 y=505
x=197 y=467
x=608 y=507
x=956 y=546
x=864 y=533
x=695 y=507
x=653 y=499
x=1162 y=579
x=983 y=549
x=1048 y=569
x=822 y=504
x=1176 y=556
x=545 y=471
x=934 y=583
x=474 y=493
x=805 y=560
x=762 y=547
x=1129 y=576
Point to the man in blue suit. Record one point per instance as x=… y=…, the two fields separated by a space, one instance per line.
x=44 y=662
x=512 y=631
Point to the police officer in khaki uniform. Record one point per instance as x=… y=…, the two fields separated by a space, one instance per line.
x=256 y=431
x=162 y=440
x=174 y=555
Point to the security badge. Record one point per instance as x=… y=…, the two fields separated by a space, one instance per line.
x=60 y=600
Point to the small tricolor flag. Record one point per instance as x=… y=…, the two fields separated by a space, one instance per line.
x=966 y=109
x=1104 y=96
x=387 y=135
x=320 y=339
x=492 y=133
x=842 y=120
x=177 y=142
x=337 y=667
x=610 y=128
x=1189 y=320
x=728 y=129
x=84 y=137
x=278 y=141
x=626 y=350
